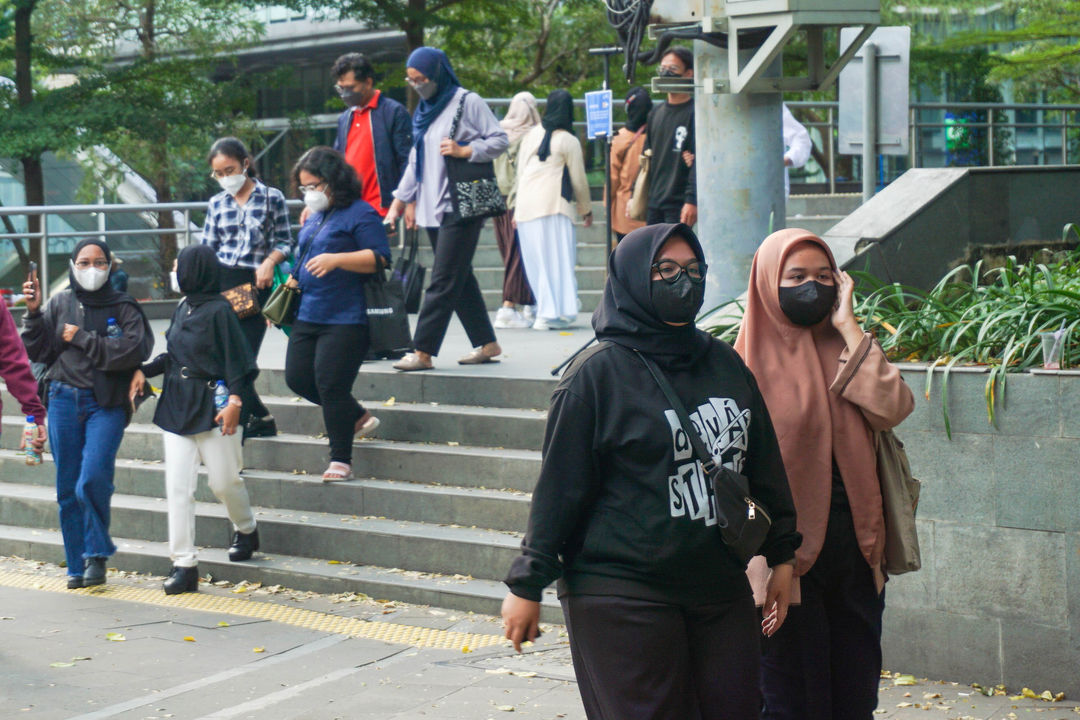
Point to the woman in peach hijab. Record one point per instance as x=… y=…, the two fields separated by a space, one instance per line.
x=831 y=388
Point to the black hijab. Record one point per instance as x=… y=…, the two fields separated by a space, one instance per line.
x=638 y=105
x=98 y=304
x=626 y=314
x=198 y=272
x=558 y=115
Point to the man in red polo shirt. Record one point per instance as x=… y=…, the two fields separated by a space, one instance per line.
x=374 y=133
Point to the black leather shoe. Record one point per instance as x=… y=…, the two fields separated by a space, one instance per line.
x=74 y=582
x=94 y=574
x=244 y=545
x=182 y=580
x=260 y=427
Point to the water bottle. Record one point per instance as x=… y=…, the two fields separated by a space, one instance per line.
x=221 y=396
x=30 y=431
x=112 y=329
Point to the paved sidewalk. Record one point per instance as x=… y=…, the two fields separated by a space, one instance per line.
x=90 y=654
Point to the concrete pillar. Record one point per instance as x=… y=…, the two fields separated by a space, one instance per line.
x=740 y=175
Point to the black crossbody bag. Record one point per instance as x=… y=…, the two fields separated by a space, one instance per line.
x=743 y=521
x=474 y=192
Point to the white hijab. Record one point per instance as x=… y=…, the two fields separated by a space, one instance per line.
x=521 y=117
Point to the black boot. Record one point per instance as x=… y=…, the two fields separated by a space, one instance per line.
x=74 y=582
x=182 y=580
x=244 y=545
x=94 y=574
x=260 y=427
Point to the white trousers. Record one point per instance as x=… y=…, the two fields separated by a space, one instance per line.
x=223 y=457
x=549 y=253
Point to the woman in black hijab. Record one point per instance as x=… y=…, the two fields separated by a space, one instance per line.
x=661 y=619
x=92 y=338
x=551 y=175
x=207 y=359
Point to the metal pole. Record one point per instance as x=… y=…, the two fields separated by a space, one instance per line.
x=914 y=122
x=101 y=215
x=187 y=228
x=990 y=135
x=1064 y=137
x=43 y=273
x=740 y=173
x=832 y=155
x=607 y=162
x=870 y=103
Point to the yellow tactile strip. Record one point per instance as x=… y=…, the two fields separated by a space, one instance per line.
x=421 y=637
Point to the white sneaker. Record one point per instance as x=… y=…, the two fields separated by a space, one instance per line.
x=540 y=324
x=529 y=313
x=559 y=323
x=515 y=321
x=503 y=316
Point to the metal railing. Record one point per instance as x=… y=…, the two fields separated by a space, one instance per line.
x=184 y=230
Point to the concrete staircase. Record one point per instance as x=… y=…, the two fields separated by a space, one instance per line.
x=436 y=517
x=816 y=213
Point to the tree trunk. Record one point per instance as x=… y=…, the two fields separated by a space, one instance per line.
x=413 y=27
x=33 y=177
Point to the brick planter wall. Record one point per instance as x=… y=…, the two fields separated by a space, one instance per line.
x=998 y=597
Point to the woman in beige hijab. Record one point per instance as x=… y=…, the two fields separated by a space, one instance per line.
x=831 y=388
x=521 y=117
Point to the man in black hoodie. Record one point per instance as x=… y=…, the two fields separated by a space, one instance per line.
x=673 y=177
x=659 y=611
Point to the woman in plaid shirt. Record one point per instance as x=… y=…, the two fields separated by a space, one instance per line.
x=247 y=225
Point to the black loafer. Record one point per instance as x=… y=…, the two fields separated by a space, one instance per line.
x=94 y=574
x=182 y=580
x=74 y=582
x=244 y=545
x=260 y=427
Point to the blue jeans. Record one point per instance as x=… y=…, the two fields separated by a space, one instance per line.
x=84 y=437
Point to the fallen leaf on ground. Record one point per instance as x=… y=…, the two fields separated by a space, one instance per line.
x=115 y=637
x=222 y=623
x=390 y=402
x=258 y=650
x=61 y=664
x=904 y=680
x=188 y=638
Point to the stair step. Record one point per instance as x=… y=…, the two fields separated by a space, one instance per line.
x=589 y=277
x=487 y=255
x=455 y=591
x=415 y=502
x=444 y=464
x=329 y=537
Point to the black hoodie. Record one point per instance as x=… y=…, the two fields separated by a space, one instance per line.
x=622 y=506
x=205 y=344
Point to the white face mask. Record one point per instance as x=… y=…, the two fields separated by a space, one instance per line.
x=91 y=278
x=174 y=283
x=316 y=200
x=233 y=183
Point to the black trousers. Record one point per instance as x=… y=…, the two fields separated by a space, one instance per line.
x=648 y=660
x=453 y=289
x=663 y=214
x=320 y=366
x=824 y=663
x=254 y=329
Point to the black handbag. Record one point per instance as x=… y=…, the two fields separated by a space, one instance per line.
x=474 y=192
x=743 y=521
x=388 y=324
x=410 y=273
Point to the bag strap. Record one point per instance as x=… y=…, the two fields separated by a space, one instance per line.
x=457 y=115
x=300 y=261
x=680 y=411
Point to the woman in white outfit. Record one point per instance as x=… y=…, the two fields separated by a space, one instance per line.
x=551 y=175
x=205 y=345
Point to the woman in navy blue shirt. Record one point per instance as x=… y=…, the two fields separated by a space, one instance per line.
x=342 y=243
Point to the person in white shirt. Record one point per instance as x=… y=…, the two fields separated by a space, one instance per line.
x=551 y=174
x=797 y=146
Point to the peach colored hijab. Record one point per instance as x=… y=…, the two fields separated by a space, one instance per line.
x=794 y=367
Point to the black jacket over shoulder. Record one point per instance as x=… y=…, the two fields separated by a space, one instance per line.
x=622 y=507
x=205 y=344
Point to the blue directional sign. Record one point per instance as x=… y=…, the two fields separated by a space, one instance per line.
x=598 y=113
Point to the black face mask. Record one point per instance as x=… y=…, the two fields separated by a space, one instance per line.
x=677 y=302
x=668 y=73
x=809 y=303
x=353 y=98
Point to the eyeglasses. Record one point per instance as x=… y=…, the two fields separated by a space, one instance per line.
x=311 y=188
x=344 y=90
x=672 y=69
x=100 y=264
x=670 y=271
x=416 y=83
x=227 y=172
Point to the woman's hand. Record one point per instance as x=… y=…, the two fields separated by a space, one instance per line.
x=451 y=148
x=38 y=441
x=69 y=331
x=32 y=294
x=292 y=283
x=264 y=274
x=410 y=216
x=588 y=219
x=521 y=618
x=843 y=315
x=777 y=599
x=135 y=389
x=322 y=264
x=394 y=211
x=229 y=418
